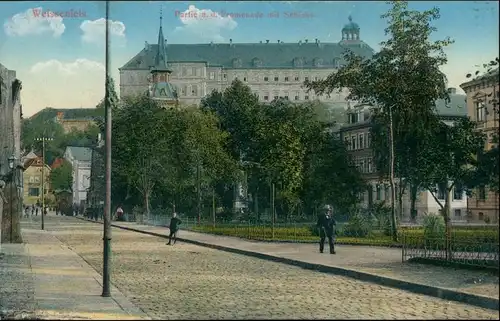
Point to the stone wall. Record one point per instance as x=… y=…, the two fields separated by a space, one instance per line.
x=10 y=145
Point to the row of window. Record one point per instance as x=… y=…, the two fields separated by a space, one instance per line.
x=35 y=191
x=358 y=141
x=212 y=76
x=365 y=165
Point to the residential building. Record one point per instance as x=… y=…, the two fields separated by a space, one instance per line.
x=356 y=134
x=482 y=108
x=32 y=180
x=71 y=118
x=80 y=159
x=72 y=124
x=271 y=70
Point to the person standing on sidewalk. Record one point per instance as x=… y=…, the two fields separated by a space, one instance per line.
x=326 y=225
x=174 y=228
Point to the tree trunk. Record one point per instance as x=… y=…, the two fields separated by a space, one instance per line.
x=394 y=227
x=447 y=221
x=146 y=204
x=11 y=216
x=413 y=201
x=400 y=199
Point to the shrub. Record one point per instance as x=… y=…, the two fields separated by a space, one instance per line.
x=358 y=226
x=382 y=214
x=434 y=226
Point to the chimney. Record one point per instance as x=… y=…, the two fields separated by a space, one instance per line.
x=452 y=91
x=267 y=41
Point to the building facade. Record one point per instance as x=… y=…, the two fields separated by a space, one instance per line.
x=74 y=124
x=483 y=108
x=271 y=70
x=80 y=159
x=32 y=180
x=356 y=134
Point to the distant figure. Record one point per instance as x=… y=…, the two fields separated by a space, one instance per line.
x=173 y=227
x=27 y=211
x=36 y=211
x=45 y=210
x=119 y=214
x=32 y=209
x=326 y=225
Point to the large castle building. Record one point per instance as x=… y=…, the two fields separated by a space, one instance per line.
x=270 y=69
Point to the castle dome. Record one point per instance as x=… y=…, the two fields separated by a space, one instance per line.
x=351 y=26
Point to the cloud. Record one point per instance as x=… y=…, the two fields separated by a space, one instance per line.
x=204 y=23
x=63 y=84
x=69 y=68
x=95 y=31
x=34 y=21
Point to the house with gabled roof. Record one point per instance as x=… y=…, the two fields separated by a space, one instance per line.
x=81 y=161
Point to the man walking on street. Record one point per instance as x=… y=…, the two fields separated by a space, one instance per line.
x=173 y=227
x=326 y=225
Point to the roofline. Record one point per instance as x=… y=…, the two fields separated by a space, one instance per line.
x=479 y=80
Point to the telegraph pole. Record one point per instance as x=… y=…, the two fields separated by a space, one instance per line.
x=43 y=139
x=107 y=211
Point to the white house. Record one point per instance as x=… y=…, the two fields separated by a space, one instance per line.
x=81 y=159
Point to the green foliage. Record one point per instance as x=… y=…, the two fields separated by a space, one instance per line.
x=433 y=226
x=61 y=178
x=358 y=226
x=382 y=213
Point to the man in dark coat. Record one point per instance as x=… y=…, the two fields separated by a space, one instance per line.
x=326 y=225
x=173 y=227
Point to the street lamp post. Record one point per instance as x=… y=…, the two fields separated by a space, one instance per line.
x=12 y=164
x=43 y=139
x=106 y=292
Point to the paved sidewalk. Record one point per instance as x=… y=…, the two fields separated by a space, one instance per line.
x=62 y=284
x=375 y=264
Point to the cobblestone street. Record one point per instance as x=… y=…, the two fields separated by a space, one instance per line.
x=190 y=282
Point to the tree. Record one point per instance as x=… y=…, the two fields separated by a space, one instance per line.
x=451 y=162
x=61 y=177
x=403 y=80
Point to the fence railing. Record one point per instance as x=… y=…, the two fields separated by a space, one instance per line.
x=471 y=252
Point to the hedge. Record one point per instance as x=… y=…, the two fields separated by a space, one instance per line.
x=462 y=240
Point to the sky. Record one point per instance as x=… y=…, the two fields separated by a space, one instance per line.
x=58 y=48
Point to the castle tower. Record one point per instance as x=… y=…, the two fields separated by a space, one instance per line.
x=350 y=32
x=160 y=88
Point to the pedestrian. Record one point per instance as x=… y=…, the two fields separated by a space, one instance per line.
x=45 y=211
x=36 y=211
x=27 y=211
x=32 y=209
x=119 y=214
x=326 y=225
x=173 y=227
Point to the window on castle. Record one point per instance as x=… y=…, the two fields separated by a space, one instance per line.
x=481 y=193
x=306 y=78
x=266 y=78
x=441 y=194
x=245 y=79
x=370 y=168
x=194 y=90
x=296 y=98
x=297 y=78
x=379 y=193
x=266 y=98
x=276 y=78
x=276 y=97
x=212 y=75
x=480 y=111
x=360 y=143
x=286 y=78
x=306 y=97
x=353 y=142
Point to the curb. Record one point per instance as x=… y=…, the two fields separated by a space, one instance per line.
x=442 y=293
